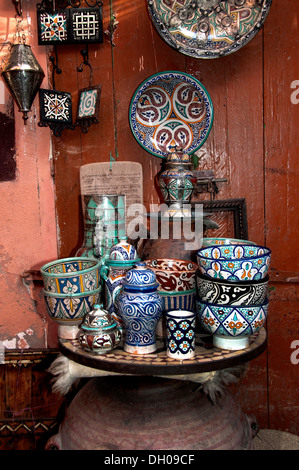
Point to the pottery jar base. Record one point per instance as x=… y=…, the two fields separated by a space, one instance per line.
x=68 y=331
x=232 y=344
x=140 y=349
x=181 y=357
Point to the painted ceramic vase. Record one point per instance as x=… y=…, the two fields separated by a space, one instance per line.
x=220 y=291
x=180 y=334
x=123 y=251
x=230 y=325
x=71 y=275
x=177 y=183
x=140 y=308
x=99 y=334
x=68 y=310
x=104 y=223
x=234 y=262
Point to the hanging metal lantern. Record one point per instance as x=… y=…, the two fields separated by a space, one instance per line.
x=23 y=76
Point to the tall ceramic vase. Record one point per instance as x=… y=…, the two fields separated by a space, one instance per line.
x=140 y=308
x=104 y=223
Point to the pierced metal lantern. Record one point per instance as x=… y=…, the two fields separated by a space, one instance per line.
x=23 y=76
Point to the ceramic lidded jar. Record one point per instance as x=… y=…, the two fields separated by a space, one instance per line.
x=140 y=308
x=99 y=333
x=122 y=257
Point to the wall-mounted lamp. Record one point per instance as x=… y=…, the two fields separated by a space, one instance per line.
x=22 y=73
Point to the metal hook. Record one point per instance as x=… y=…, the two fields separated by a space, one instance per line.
x=84 y=53
x=55 y=66
x=18 y=7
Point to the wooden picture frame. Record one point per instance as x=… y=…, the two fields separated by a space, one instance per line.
x=238 y=209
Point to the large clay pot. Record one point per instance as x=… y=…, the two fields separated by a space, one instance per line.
x=146 y=413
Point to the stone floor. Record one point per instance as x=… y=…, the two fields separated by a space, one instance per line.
x=269 y=439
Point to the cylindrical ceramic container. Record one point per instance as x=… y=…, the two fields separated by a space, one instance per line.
x=180 y=334
x=140 y=308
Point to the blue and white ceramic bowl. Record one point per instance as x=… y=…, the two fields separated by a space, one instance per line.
x=70 y=308
x=230 y=325
x=71 y=275
x=234 y=262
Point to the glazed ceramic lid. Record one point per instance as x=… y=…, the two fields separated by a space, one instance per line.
x=140 y=278
x=98 y=319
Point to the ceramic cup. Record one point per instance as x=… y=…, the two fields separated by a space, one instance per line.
x=180 y=334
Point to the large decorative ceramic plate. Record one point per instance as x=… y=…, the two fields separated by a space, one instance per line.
x=171 y=111
x=208 y=28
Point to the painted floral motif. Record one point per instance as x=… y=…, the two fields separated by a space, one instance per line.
x=232 y=320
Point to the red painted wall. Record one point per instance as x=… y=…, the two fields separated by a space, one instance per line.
x=28 y=235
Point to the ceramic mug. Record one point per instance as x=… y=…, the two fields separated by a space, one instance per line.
x=180 y=334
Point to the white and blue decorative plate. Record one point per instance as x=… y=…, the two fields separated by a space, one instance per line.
x=171 y=111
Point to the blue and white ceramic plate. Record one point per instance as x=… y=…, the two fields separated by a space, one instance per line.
x=171 y=110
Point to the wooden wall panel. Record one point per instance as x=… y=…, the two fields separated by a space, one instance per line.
x=281 y=142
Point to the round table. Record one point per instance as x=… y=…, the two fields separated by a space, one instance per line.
x=207 y=357
x=153 y=402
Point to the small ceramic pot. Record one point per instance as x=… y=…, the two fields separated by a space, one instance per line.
x=225 y=241
x=180 y=334
x=99 y=334
x=231 y=326
x=140 y=309
x=173 y=274
x=69 y=310
x=234 y=262
x=220 y=291
x=71 y=275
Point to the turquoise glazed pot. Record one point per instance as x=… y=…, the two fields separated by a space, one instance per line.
x=140 y=308
x=71 y=275
x=230 y=325
x=234 y=262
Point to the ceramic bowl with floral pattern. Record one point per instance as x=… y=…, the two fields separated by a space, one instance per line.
x=234 y=262
x=71 y=275
x=231 y=326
